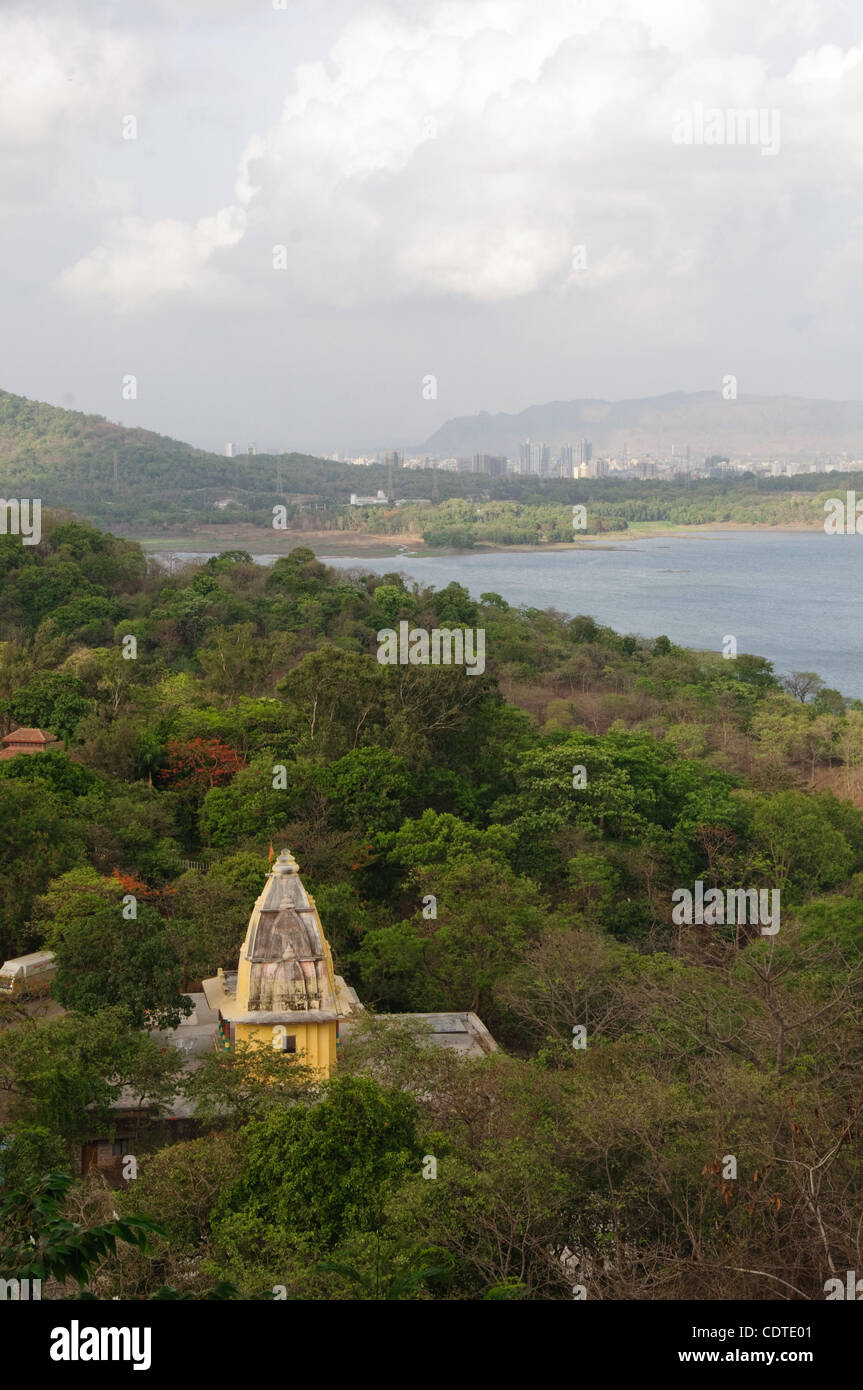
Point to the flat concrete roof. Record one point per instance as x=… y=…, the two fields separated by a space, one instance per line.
x=464 y=1033
x=195 y=1034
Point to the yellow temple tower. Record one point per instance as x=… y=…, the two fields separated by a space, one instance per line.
x=284 y=993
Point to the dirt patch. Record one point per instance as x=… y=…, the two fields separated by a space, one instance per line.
x=260 y=541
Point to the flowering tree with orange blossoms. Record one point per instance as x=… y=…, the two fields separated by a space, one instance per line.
x=198 y=764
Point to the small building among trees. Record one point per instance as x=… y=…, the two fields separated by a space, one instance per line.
x=27 y=741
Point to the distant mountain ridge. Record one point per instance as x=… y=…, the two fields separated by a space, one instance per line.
x=748 y=427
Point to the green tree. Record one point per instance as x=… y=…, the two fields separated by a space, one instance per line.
x=40 y=1241
x=485 y=915
x=40 y=838
x=323 y=1171
x=440 y=838
x=369 y=788
x=53 y=702
x=394 y=603
x=245 y=1082
x=208 y=921
x=804 y=850
x=129 y=961
x=65 y=1074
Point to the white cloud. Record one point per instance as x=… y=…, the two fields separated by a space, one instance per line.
x=827 y=64
x=58 y=76
x=462 y=148
x=147 y=261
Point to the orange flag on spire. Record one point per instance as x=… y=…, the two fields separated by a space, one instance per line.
x=272 y=854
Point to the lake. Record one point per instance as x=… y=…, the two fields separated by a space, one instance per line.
x=791 y=597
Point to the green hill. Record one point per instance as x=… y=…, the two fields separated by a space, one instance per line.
x=111 y=472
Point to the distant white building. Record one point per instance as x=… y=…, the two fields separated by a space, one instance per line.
x=380 y=499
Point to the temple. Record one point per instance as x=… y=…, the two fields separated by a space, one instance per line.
x=284 y=992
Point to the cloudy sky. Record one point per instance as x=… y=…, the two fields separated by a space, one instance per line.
x=326 y=202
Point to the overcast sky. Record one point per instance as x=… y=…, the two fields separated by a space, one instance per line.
x=431 y=170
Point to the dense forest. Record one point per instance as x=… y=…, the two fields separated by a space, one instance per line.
x=610 y=505
x=603 y=1166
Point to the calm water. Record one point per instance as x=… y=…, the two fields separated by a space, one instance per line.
x=792 y=598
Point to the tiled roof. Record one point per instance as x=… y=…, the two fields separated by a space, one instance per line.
x=29 y=736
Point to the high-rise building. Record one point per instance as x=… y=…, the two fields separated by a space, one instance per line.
x=493 y=464
x=393 y=459
x=534 y=458
x=565 y=460
x=593 y=468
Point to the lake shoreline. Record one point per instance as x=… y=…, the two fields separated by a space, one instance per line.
x=787 y=595
x=339 y=544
